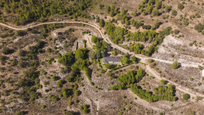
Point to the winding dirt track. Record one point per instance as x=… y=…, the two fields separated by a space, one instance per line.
x=106 y=38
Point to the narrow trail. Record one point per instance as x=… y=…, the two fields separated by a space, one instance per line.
x=107 y=39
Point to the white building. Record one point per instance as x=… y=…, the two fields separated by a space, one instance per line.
x=55 y=33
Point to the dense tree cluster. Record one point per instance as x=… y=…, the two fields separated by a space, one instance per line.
x=37 y=10
x=111 y=10
x=162 y=93
x=125 y=59
x=129 y=78
x=7 y=50
x=116 y=34
x=67 y=58
x=199 y=27
x=101 y=48
x=152 y=6
x=78 y=61
x=136 y=23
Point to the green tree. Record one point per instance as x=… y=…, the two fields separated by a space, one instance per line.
x=111 y=13
x=21 y=53
x=133 y=58
x=180 y=6
x=107 y=9
x=98 y=55
x=155 y=12
x=134 y=13
x=174 y=12
x=81 y=53
x=93 y=55
x=43 y=107
x=175 y=65
x=68 y=113
x=6 y=50
x=167 y=8
x=20 y=113
x=124 y=60
x=156 y=23
x=185 y=22
x=162 y=82
x=19 y=33
x=102 y=23
x=67 y=58
x=94 y=39
x=186 y=96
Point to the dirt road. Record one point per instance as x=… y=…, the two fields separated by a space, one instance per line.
x=106 y=38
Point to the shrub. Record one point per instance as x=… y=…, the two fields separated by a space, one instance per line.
x=76 y=93
x=199 y=84
x=69 y=102
x=186 y=96
x=54 y=78
x=20 y=113
x=19 y=33
x=162 y=82
x=180 y=6
x=43 y=72
x=199 y=27
x=134 y=59
x=186 y=22
x=68 y=113
x=200 y=67
x=49 y=50
x=124 y=104
x=175 y=65
x=174 y=12
x=66 y=59
x=43 y=107
x=176 y=31
x=6 y=51
x=21 y=53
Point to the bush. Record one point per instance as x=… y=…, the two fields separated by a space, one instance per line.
x=180 y=6
x=186 y=96
x=176 y=31
x=43 y=72
x=43 y=107
x=68 y=113
x=174 y=12
x=186 y=22
x=175 y=65
x=76 y=93
x=19 y=33
x=20 y=113
x=162 y=82
x=146 y=27
x=66 y=59
x=134 y=59
x=69 y=102
x=200 y=67
x=21 y=53
x=199 y=27
x=6 y=51
x=54 y=78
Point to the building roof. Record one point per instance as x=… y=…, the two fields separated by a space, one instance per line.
x=55 y=31
x=111 y=59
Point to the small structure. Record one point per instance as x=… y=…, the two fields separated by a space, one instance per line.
x=78 y=44
x=112 y=60
x=55 y=33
